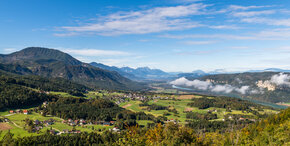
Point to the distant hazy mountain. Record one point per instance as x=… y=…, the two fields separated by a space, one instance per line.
x=53 y=63
x=200 y=72
x=140 y=73
x=270 y=70
x=116 y=69
x=193 y=75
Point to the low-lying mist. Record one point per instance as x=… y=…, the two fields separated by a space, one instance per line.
x=276 y=80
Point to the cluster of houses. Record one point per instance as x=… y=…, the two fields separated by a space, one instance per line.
x=133 y=96
x=45 y=122
x=115 y=129
x=65 y=131
x=213 y=110
x=171 y=120
x=82 y=122
x=129 y=96
x=244 y=119
x=38 y=125
x=75 y=122
x=20 y=111
x=44 y=92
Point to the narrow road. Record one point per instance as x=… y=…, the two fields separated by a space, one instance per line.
x=9 y=115
x=15 y=124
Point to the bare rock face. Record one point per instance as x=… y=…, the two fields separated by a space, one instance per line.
x=266 y=85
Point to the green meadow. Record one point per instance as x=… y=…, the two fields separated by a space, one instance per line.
x=181 y=106
x=19 y=130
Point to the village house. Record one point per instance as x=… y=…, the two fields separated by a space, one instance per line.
x=115 y=129
x=45 y=104
x=171 y=120
x=25 y=112
x=53 y=132
x=18 y=111
x=36 y=122
x=112 y=122
x=106 y=124
x=82 y=122
x=49 y=122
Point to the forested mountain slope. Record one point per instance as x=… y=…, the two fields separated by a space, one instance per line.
x=52 y=63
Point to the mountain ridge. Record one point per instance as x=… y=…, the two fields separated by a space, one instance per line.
x=54 y=63
x=140 y=73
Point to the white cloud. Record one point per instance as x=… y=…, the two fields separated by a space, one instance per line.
x=204 y=85
x=252 y=13
x=255 y=91
x=187 y=1
x=238 y=7
x=142 y=22
x=224 y=27
x=222 y=88
x=281 y=79
x=199 y=42
x=243 y=89
x=240 y=47
x=268 y=21
x=9 y=50
x=94 y=52
x=273 y=34
x=209 y=36
x=114 y=62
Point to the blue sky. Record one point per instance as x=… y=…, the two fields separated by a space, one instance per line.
x=172 y=35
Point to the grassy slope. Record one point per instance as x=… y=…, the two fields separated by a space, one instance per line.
x=20 y=132
x=181 y=106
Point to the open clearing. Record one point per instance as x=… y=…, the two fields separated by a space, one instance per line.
x=181 y=106
x=188 y=96
x=18 y=130
x=4 y=126
x=188 y=109
x=125 y=106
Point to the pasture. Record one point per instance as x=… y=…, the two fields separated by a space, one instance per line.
x=180 y=104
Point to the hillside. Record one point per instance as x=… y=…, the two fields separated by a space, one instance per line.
x=18 y=91
x=40 y=55
x=52 y=63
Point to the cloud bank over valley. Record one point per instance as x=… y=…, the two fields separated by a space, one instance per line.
x=258 y=88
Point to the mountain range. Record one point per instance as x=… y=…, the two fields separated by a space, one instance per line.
x=145 y=73
x=52 y=63
x=140 y=73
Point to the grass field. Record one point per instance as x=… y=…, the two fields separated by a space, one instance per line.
x=102 y=93
x=19 y=131
x=63 y=94
x=4 y=113
x=143 y=122
x=181 y=105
